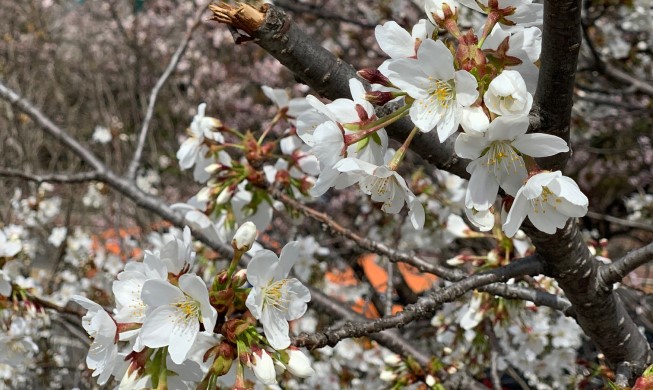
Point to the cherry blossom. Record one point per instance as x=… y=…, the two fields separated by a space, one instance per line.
x=384 y=185
x=548 y=199
x=520 y=12
x=276 y=299
x=507 y=95
x=102 y=355
x=497 y=158
x=441 y=93
x=176 y=315
x=192 y=150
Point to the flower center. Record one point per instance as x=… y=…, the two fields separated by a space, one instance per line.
x=547 y=199
x=502 y=157
x=189 y=308
x=440 y=93
x=276 y=295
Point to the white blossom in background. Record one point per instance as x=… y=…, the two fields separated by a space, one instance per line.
x=101 y=135
x=507 y=95
x=57 y=236
x=147 y=181
x=276 y=299
x=193 y=151
x=442 y=94
x=548 y=199
x=176 y=315
x=497 y=160
x=93 y=197
x=280 y=98
x=9 y=247
x=103 y=353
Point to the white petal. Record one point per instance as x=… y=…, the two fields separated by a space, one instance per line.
x=288 y=257
x=435 y=59
x=276 y=328
x=466 y=88
x=507 y=127
x=470 y=145
x=516 y=215
x=158 y=326
x=540 y=145
x=262 y=268
x=159 y=292
x=182 y=338
x=394 y=40
x=473 y=120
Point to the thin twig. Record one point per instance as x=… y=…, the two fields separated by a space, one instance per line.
x=616 y=271
x=50 y=177
x=172 y=66
x=620 y=221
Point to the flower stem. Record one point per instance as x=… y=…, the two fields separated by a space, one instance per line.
x=375 y=126
x=401 y=153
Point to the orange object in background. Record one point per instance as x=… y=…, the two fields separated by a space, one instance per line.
x=378 y=277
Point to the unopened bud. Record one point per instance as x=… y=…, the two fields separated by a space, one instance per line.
x=244 y=237
x=379 y=98
x=299 y=364
x=239 y=278
x=374 y=76
x=224 y=196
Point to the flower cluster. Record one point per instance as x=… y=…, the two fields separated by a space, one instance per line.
x=169 y=328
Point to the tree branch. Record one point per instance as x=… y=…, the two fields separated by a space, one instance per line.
x=613 y=273
x=425 y=307
x=561 y=39
x=394 y=255
x=172 y=66
x=51 y=177
x=328 y=75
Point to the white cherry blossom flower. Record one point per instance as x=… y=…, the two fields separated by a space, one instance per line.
x=176 y=315
x=386 y=186
x=129 y=284
x=177 y=253
x=57 y=236
x=497 y=158
x=103 y=353
x=275 y=299
x=507 y=95
x=441 y=93
x=325 y=132
x=192 y=150
x=101 y=135
x=548 y=199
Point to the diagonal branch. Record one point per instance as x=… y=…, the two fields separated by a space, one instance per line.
x=172 y=66
x=318 y=68
x=425 y=307
x=507 y=291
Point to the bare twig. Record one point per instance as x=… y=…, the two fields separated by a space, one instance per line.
x=620 y=221
x=172 y=66
x=50 y=177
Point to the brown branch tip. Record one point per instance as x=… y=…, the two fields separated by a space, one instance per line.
x=243 y=16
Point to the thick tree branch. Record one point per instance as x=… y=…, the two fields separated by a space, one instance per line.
x=561 y=39
x=172 y=66
x=328 y=75
x=599 y=311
